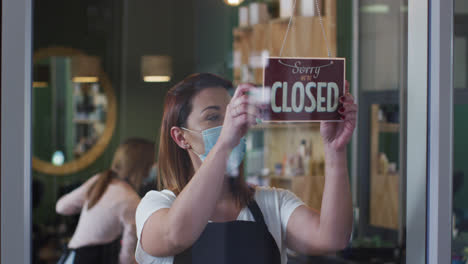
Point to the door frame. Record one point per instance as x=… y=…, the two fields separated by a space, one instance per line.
x=16 y=131
x=440 y=128
x=430 y=131
x=416 y=148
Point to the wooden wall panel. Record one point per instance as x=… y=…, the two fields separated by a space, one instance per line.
x=384 y=185
x=280 y=142
x=384 y=201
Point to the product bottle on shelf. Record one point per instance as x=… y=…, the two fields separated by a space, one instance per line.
x=78 y=102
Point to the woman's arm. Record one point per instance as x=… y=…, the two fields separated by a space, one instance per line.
x=129 y=239
x=170 y=231
x=72 y=202
x=329 y=230
x=311 y=232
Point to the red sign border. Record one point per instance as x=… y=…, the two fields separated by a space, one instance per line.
x=314 y=58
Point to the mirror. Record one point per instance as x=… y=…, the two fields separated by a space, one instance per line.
x=74 y=110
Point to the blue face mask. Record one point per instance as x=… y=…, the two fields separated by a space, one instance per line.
x=210 y=136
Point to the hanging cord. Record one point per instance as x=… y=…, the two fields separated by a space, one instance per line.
x=323 y=29
x=321 y=25
x=289 y=26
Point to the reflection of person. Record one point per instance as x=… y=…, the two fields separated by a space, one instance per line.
x=150 y=182
x=460 y=223
x=107 y=203
x=203 y=216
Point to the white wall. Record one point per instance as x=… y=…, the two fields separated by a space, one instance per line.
x=380 y=45
x=461 y=7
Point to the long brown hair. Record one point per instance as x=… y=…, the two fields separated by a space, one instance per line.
x=132 y=163
x=175 y=166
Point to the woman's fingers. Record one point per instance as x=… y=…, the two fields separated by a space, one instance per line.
x=349 y=98
x=240 y=115
x=351 y=116
x=241 y=90
x=347 y=108
x=245 y=119
x=244 y=99
x=241 y=103
x=244 y=108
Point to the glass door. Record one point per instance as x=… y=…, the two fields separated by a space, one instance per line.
x=460 y=129
x=391 y=136
x=381 y=175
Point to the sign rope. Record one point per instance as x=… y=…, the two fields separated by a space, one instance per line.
x=321 y=25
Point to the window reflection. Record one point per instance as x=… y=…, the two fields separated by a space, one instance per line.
x=460 y=169
x=210 y=36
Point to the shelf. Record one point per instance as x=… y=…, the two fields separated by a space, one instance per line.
x=281 y=20
x=291 y=125
x=389 y=127
x=242 y=29
x=281 y=178
x=288 y=178
x=285 y=20
x=85 y=121
x=251 y=41
x=388 y=174
x=384 y=187
x=271 y=21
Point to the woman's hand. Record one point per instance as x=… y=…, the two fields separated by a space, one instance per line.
x=239 y=116
x=336 y=135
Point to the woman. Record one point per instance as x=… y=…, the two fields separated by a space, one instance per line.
x=107 y=203
x=204 y=216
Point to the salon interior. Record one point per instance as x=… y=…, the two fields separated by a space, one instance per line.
x=101 y=70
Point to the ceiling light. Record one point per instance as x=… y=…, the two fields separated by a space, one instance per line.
x=156 y=78
x=85 y=69
x=233 y=2
x=41 y=76
x=156 y=68
x=375 y=9
x=85 y=79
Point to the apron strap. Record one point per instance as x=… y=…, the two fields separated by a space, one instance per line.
x=256 y=212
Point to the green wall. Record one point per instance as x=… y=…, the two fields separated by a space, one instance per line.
x=153 y=28
x=460 y=153
x=344 y=38
x=213 y=37
x=98 y=28
x=89 y=27
x=344 y=16
x=41 y=114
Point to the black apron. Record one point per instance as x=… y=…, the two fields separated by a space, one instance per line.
x=232 y=242
x=95 y=254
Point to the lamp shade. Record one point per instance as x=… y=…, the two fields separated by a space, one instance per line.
x=41 y=76
x=233 y=2
x=156 y=68
x=85 y=69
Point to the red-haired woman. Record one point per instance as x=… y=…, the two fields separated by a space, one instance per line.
x=204 y=215
x=107 y=203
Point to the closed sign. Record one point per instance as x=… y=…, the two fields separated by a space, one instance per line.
x=303 y=89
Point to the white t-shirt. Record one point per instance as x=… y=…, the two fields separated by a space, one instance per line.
x=277 y=205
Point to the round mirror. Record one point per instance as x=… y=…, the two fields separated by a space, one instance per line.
x=74 y=110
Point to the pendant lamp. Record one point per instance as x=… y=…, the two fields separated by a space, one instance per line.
x=156 y=68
